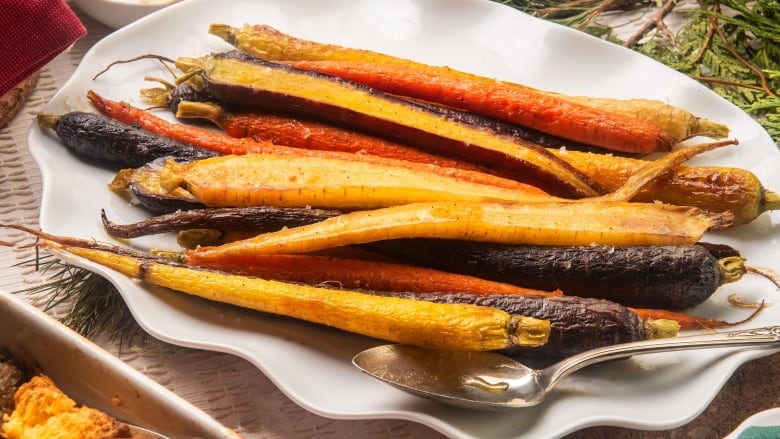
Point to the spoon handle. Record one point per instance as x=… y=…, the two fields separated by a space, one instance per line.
x=758 y=336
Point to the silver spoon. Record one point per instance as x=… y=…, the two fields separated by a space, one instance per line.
x=491 y=381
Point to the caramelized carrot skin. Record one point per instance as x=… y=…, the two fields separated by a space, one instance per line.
x=505 y=101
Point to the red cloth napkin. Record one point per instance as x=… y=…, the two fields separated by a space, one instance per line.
x=33 y=33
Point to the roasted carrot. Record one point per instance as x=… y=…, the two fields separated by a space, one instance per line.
x=329 y=183
x=659 y=125
x=244 y=81
x=669 y=277
x=608 y=223
x=714 y=188
x=308 y=134
x=268 y=43
x=576 y=324
x=492 y=98
x=126 y=113
x=256 y=219
x=352 y=273
x=301 y=181
x=93 y=136
x=441 y=326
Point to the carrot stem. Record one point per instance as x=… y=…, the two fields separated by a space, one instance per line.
x=771 y=201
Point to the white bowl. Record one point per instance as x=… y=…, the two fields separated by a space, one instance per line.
x=118 y=13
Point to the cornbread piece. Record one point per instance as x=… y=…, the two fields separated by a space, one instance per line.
x=42 y=410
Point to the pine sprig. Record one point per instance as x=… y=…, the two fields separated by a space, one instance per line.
x=96 y=305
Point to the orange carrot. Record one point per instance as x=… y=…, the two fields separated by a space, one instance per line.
x=268 y=43
x=222 y=143
x=353 y=273
x=128 y=114
x=513 y=103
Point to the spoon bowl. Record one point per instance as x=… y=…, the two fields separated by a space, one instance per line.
x=491 y=381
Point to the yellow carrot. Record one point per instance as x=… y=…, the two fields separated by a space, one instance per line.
x=712 y=188
x=583 y=223
x=409 y=321
x=300 y=181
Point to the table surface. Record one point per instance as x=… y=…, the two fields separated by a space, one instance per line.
x=234 y=391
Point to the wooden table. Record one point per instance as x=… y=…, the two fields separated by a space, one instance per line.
x=234 y=391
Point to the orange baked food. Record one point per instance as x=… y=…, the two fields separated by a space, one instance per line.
x=41 y=410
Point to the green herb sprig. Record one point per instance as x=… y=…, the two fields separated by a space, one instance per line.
x=96 y=307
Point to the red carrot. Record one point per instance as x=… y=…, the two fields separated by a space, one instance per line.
x=353 y=273
x=309 y=134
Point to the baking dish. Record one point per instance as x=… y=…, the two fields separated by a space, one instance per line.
x=93 y=377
